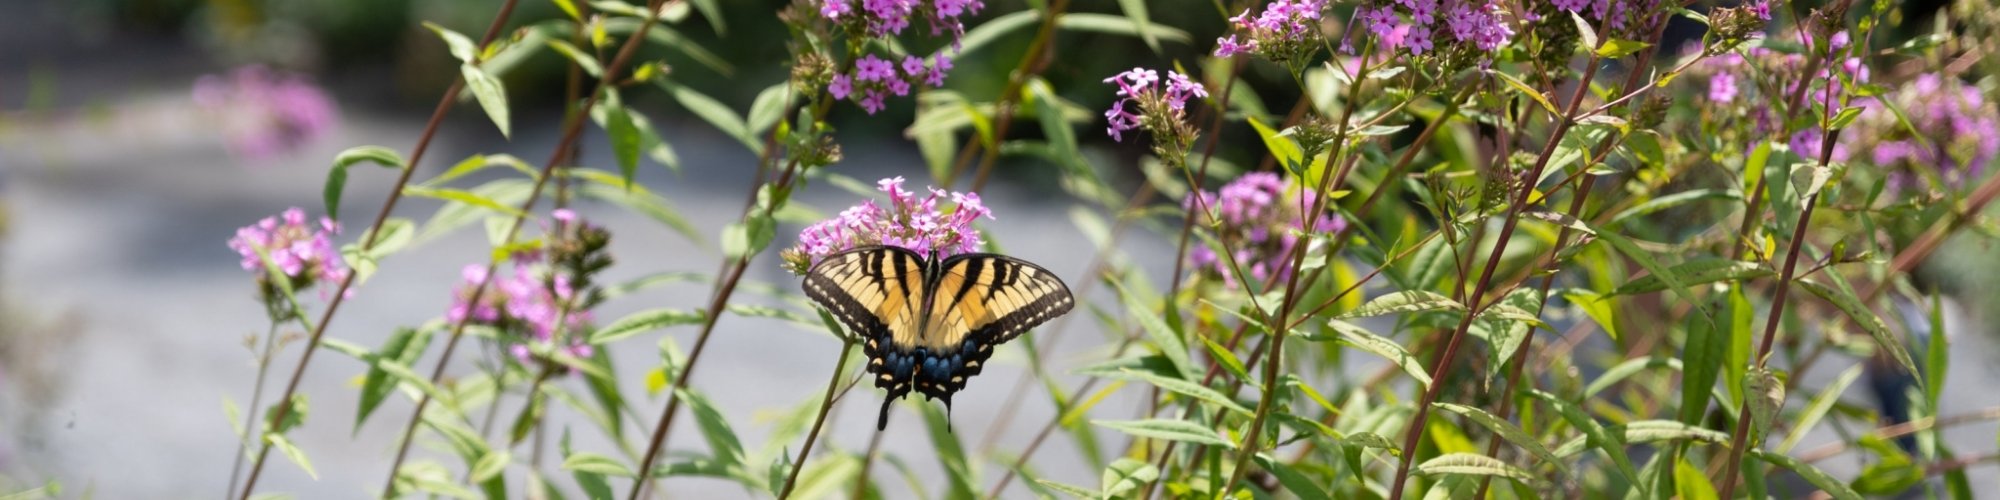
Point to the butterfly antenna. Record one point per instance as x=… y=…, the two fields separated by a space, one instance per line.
x=882 y=422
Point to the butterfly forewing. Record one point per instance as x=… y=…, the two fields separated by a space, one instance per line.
x=930 y=326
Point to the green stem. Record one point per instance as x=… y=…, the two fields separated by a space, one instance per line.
x=832 y=383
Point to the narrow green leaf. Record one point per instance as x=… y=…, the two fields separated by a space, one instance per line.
x=722 y=440
x=1294 y=481
x=1818 y=478
x=491 y=94
x=461 y=48
x=1359 y=338
x=1507 y=431
x=291 y=453
x=1474 y=465
x=1815 y=410
x=1118 y=25
x=990 y=30
x=1171 y=430
x=1524 y=89
x=582 y=59
x=1126 y=475
x=1403 y=302
x=625 y=141
x=1584 y=31
x=1619 y=47
x=336 y=178
x=1612 y=445
x=1136 y=11
x=1185 y=388
x=1702 y=356
x=714 y=112
x=769 y=107
x=1848 y=303
x=1691 y=483
x=463 y=196
x=490 y=466
x=1675 y=200
x=1766 y=395
x=584 y=461
x=404 y=346
x=643 y=321
x=1670 y=277
x=1074 y=491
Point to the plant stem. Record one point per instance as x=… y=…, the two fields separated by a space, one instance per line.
x=1739 y=439
x=1414 y=435
x=867 y=460
x=832 y=383
x=256 y=405
x=389 y=205
x=573 y=130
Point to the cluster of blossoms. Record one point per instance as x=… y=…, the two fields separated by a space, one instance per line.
x=1414 y=25
x=300 y=249
x=911 y=221
x=1260 y=217
x=1286 y=31
x=874 y=79
x=1156 y=107
x=539 y=303
x=1960 y=130
x=263 y=113
x=1786 y=72
x=1632 y=19
x=883 y=18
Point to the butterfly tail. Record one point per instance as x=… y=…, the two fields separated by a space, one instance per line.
x=947 y=414
x=882 y=422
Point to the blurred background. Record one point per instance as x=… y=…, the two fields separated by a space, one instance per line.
x=137 y=135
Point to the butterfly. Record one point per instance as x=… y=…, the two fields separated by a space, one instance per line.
x=929 y=324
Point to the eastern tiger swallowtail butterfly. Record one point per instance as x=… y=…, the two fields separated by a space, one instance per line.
x=929 y=324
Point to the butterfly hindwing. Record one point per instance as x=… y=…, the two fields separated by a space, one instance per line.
x=930 y=325
x=877 y=293
x=977 y=302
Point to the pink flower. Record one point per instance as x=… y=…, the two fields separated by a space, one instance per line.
x=911 y=221
x=303 y=252
x=263 y=113
x=840 y=87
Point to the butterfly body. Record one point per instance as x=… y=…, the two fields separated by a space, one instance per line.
x=928 y=324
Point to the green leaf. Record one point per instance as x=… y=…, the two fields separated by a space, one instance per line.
x=958 y=471
x=463 y=196
x=1167 y=429
x=1474 y=465
x=1618 y=47
x=1815 y=410
x=1403 y=302
x=1691 y=483
x=769 y=107
x=1524 y=89
x=1281 y=147
x=1294 y=481
x=643 y=321
x=1766 y=395
x=1669 y=276
x=1706 y=347
x=1508 y=431
x=592 y=483
x=1165 y=338
x=1584 y=31
x=1848 y=303
x=336 y=179
x=489 y=466
x=743 y=239
x=1818 y=478
x=462 y=48
x=582 y=59
x=1612 y=445
x=1360 y=338
x=1126 y=475
x=625 y=141
x=1074 y=491
x=1184 y=388
x=291 y=453
x=1136 y=11
x=404 y=347
x=1119 y=25
x=490 y=93
x=1656 y=205
x=722 y=440
x=1599 y=310
x=1697 y=272
x=584 y=461
x=989 y=31
x=293 y=416
x=714 y=112
x=1845 y=118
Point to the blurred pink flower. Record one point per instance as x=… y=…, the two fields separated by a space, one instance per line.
x=265 y=113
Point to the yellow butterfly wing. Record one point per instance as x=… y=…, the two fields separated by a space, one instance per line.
x=876 y=291
x=976 y=302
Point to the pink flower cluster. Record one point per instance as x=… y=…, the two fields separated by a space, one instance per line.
x=529 y=301
x=1629 y=17
x=874 y=79
x=1282 y=22
x=303 y=252
x=1476 y=23
x=1961 y=129
x=264 y=113
x=911 y=221
x=1138 y=87
x=883 y=18
x=1260 y=217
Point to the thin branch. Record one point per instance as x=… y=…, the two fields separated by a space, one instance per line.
x=832 y=383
